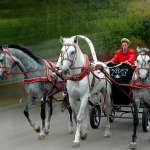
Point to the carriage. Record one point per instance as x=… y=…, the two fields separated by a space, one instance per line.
x=122 y=102
x=111 y=81
x=82 y=83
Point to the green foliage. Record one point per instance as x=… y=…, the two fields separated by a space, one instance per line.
x=39 y=24
x=104 y=21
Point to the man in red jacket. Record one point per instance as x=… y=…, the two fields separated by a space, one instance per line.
x=124 y=54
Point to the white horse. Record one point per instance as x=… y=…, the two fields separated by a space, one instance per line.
x=82 y=83
x=141 y=78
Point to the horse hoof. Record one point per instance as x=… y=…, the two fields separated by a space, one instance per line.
x=107 y=134
x=76 y=144
x=42 y=137
x=132 y=145
x=83 y=137
x=47 y=132
x=37 y=129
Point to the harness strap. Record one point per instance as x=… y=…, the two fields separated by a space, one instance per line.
x=35 y=79
x=85 y=70
x=6 y=51
x=93 y=82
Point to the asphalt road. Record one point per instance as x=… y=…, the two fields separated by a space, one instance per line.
x=16 y=134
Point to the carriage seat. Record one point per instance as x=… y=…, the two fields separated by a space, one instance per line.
x=121 y=73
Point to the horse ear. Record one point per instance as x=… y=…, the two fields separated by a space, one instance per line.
x=76 y=40
x=61 y=40
x=138 y=49
x=148 y=50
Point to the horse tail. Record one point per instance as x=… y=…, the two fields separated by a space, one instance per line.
x=89 y=42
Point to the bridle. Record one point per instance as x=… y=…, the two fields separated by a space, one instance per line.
x=72 y=61
x=6 y=52
x=143 y=56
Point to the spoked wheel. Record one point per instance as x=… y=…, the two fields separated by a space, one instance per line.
x=146 y=120
x=95 y=116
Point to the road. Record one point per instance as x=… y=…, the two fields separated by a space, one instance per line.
x=16 y=134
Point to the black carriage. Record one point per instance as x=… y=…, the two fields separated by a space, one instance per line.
x=122 y=101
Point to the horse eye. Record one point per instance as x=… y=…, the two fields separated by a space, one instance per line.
x=72 y=52
x=149 y=61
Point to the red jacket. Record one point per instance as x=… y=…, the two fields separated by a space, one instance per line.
x=128 y=56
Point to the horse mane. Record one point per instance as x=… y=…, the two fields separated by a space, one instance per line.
x=27 y=51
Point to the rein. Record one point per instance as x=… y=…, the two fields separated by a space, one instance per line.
x=134 y=83
x=85 y=70
x=66 y=49
x=6 y=51
x=131 y=84
x=48 y=66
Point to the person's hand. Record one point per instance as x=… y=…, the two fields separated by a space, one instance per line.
x=127 y=62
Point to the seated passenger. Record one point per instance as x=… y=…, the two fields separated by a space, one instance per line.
x=124 y=54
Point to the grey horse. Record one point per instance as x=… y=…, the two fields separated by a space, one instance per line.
x=141 y=77
x=38 y=82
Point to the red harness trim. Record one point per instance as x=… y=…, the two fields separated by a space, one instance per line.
x=6 y=51
x=35 y=79
x=48 y=65
x=131 y=84
x=48 y=78
x=84 y=72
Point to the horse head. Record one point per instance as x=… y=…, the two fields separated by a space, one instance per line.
x=142 y=62
x=68 y=52
x=6 y=63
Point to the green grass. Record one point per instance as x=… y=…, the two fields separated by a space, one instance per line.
x=32 y=21
x=5 y=102
x=11 y=95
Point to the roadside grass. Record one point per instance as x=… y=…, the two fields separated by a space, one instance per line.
x=7 y=101
x=49 y=49
x=10 y=95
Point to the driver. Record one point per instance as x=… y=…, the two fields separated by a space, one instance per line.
x=124 y=54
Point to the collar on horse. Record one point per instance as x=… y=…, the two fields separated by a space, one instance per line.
x=84 y=71
x=48 y=66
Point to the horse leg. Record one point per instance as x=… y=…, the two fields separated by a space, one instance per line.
x=84 y=125
x=30 y=101
x=50 y=111
x=135 y=124
x=43 y=116
x=80 y=117
x=107 y=108
x=66 y=103
x=108 y=111
x=70 y=128
x=107 y=127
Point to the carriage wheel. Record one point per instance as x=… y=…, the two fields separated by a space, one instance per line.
x=95 y=116
x=146 y=120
